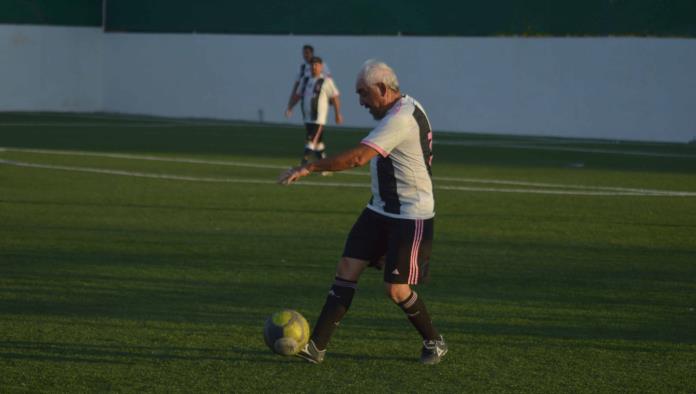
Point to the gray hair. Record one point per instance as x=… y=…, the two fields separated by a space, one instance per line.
x=375 y=71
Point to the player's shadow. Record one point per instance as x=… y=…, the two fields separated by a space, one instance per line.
x=129 y=354
x=178 y=208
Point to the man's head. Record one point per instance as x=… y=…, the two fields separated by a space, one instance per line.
x=317 y=66
x=307 y=52
x=377 y=88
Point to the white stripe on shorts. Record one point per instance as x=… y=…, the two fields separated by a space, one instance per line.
x=415 y=248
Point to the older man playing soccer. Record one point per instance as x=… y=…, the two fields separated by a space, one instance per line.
x=396 y=227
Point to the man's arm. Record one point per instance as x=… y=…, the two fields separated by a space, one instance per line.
x=291 y=103
x=351 y=158
x=336 y=102
x=293 y=92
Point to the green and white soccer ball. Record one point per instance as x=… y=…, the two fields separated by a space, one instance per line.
x=286 y=332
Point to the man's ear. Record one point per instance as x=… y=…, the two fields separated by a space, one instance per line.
x=382 y=88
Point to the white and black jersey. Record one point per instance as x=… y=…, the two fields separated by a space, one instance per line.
x=401 y=175
x=305 y=75
x=315 y=98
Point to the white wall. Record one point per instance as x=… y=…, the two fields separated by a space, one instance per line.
x=50 y=68
x=619 y=88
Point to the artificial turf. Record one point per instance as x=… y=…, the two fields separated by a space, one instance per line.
x=558 y=265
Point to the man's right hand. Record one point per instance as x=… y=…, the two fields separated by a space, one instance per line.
x=292 y=175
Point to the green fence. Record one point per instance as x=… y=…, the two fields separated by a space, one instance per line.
x=363 y=17
x=52 y=12
x=409 y=17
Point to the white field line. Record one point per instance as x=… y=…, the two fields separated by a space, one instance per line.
x=567 y=149
x=454 y=139
x=166 y=176
x=557 y=185
x=147 y=158
x=330 y=184
x=627 y=191
x=282 y=167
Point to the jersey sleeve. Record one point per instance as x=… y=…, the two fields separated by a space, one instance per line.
x=387 y=135
x=300 y=85
x=300 y=73
x=330 y=88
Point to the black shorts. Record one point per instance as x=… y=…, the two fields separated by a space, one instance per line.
x=315 y=132
x=404 y=244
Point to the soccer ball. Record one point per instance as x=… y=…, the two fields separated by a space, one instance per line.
x=286 y=332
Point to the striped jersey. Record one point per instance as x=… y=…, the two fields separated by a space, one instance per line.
x=401 y=175
x=305 y=75
x=315 y=99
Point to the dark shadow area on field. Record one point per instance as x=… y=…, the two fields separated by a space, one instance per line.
x=571 y=162
x=179 y=208
x=262 y=142
x=149 y=287
x=567 y=257
x=575 y=334
x=72 y=284
x=570 y=343
x=126 y=354
x=369 y=357
x=80 y=293
x=149 y=299
x=569 y=219
x=131 y=355
x=257 y=142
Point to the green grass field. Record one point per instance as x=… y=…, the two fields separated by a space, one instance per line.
x=144 y=254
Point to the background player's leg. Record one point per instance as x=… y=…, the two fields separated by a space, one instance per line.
x=318 y=143
x=320 y=151
x=307 y=153
x=309 y=142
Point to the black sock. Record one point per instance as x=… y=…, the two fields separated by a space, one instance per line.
x=305 y=156
x=337 y=303
x=418 y=315
x=320 y=154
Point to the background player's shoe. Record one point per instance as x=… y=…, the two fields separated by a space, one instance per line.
x=433 y=350
x=326 y=173
x=310 y=353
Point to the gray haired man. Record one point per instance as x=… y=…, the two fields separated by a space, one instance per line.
x=396 y=227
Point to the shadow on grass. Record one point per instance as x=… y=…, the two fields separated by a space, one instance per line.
x=128 y=354
x=242 y=294
x=182 y=208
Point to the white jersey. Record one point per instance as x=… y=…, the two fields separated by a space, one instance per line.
x=315 y=99
x=401 y=176
x=305 y=74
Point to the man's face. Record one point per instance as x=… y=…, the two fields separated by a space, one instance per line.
x=317 y=68
x=307 y=54
x=371 y=97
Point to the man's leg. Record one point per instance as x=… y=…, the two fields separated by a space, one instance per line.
x=408 y=256
x=308 y=149
x=434 y=346
x=311 y=130
x=365 y=242
x=318 y=143
x=320 y=151
x=338 y=301
x=414 y=308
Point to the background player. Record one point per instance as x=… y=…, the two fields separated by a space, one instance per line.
x=305 y=71
x=318 y=92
